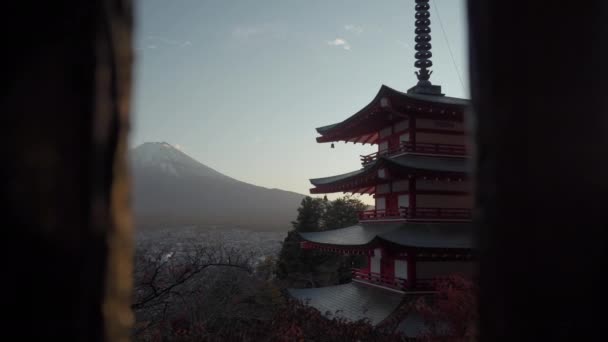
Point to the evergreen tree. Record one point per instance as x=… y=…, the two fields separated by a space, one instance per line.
x=296 y=265
x=310 y=215
x=342 y=212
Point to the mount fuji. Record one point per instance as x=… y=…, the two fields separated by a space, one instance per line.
x=172 y=188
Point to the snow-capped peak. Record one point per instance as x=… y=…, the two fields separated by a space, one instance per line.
x=169 y=159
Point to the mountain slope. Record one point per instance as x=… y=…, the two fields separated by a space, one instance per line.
x=171 y=188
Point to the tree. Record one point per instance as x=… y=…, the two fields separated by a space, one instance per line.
x=342 y=212
x=310 y=215
x=313 y=268
x=166 y=281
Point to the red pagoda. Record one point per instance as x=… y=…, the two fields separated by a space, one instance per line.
x=420 y=228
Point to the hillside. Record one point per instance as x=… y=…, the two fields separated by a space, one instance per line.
x=171 y=188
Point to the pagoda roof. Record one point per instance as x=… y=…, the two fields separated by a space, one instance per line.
x=352 y=301
x=430 y=163
x=413 y=235
x=401 y=165
x=355 y=301
x=337 y=178
x=386 y=105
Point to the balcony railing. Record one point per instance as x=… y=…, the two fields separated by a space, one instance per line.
x=443 y=149
x=421 y=214
x=379 y=214
x=390 y=282
x=438 y=213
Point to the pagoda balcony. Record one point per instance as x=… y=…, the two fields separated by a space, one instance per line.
x=382 y=214
x=421 y=148
x=396 y=283
x=418 y=214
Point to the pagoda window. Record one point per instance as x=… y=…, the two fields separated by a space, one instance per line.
x=383 y=188
x=383 y=146
x=402 y=126
x=380 y=203
x=404 y=201
x=382 y=173
x=401 y=185
x=385 y=132
x=375 y=261
x=400 y=269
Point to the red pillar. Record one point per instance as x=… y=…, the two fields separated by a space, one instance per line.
x=411 y=269
x=387 y=265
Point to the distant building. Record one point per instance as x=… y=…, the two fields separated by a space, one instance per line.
x=420 y=228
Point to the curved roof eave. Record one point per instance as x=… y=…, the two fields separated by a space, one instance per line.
x=407 y=161
x=379 y=94
x=358 y=235
x=412 y=235
x=342 y=177
x=384 y=89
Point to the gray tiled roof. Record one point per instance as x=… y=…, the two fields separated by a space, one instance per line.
x=354 y=301
x=432 y=235
x=328 y=180
x=417 y=235
x=431 y=163
x=405 y=161
x=359 y=234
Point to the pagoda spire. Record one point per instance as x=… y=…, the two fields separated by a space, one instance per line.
x=423 y=51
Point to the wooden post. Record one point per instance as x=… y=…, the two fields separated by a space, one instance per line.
x=538 y=85
x=66 y=239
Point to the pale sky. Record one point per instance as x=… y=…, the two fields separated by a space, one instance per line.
x=241 y=85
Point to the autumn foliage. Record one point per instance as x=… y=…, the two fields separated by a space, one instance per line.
x=450 y=314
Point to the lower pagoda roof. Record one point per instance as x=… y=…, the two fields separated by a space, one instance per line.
x=355 y=301
x=401 y=166
x=412 y=235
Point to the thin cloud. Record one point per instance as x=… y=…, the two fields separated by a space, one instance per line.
x=354 y=29
x=157 y=41
x=247 y=32
x=339 y=42
x=268 y=30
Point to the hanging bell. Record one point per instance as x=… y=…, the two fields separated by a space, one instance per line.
x=332 y=145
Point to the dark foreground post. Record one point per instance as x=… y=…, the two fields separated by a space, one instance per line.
x=66 y=232
x=539 y=78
